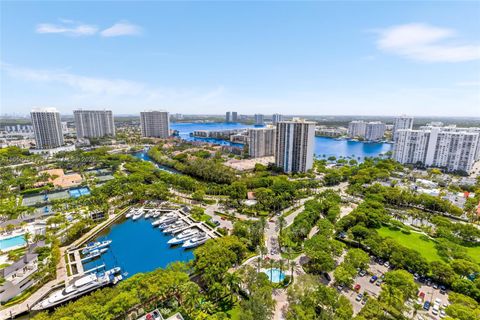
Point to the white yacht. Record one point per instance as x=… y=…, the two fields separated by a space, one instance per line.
x=138 y=214
x=130 y=213
x=78 y=288
x=167 y=222
x=195 y=241
x=94 y=254
x=164 y=218
x=148 y=214
x=96 y=245
x=183 y=236
x=174 y=226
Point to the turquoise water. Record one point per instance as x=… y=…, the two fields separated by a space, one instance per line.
x=12 y=242
x=274 y=275
x=323 y=146
x=138 y=247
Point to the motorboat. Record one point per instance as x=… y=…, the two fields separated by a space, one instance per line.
x=183 y=236
x=167 y=222
x=175 y=225
x=96 y=245
x=164 y=218
x=94 y=254
x=177 y=229
x=195 y=241
x=138 y=214
x=148 y=214
x=130 y=213
x=79 y=287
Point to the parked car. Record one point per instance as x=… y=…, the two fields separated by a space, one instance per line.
x=422 y=295
x=359 y=297
x=340 y=287
x=327 y=276
x=373 y=279
x=379 y=283
x=357 y=287
x=362 y=273
x=435 y=286
x=426 y=305
x=387 y=264
x=443 y=289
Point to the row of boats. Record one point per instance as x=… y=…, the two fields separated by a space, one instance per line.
x=171 y=223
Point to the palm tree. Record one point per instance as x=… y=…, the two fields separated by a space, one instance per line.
x=27 y=236
x=293 y=264
x=272 y=265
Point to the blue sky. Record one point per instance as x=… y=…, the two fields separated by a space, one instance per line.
x=365 y=58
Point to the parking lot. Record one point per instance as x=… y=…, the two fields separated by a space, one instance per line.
x=370 y=287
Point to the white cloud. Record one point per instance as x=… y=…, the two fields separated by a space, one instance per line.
x=73 y=28
x=427 y=43
x=89 y=90
x=121 y=29
x=68 y=28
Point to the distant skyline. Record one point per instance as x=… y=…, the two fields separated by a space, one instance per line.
x=311 y=58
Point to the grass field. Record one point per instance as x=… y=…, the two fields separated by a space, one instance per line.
x=426 y=248
x=412 y=241
x=474 y=252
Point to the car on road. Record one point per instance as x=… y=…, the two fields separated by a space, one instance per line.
x=426 y=305
x=373 y=279
x=327 y=276
x=359 y=297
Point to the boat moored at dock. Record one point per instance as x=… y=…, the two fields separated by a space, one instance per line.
x=195 y=241
x=79 y=287
x=95 y=245
x=183 y=236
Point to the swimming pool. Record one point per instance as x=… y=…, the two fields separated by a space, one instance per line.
x=75 y=193
x=274 y=275
x=12 y=242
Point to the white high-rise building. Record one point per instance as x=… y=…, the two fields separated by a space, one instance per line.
x=261 y=142
x=294 y=145
x=276 y=117
x=47 y=128
x=259 y=119
x=454 y=149
x=374 y=131
x=94 y=123
x=155 y=124
x=402 y=122
x=357 y=128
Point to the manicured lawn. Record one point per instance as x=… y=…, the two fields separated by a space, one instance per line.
x=474 y=253
x=412 y=241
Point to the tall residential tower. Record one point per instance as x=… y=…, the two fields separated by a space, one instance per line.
x=261 y=142
x=47 y=127
x=94 y=123
x=155 y=124
x=295 y=145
